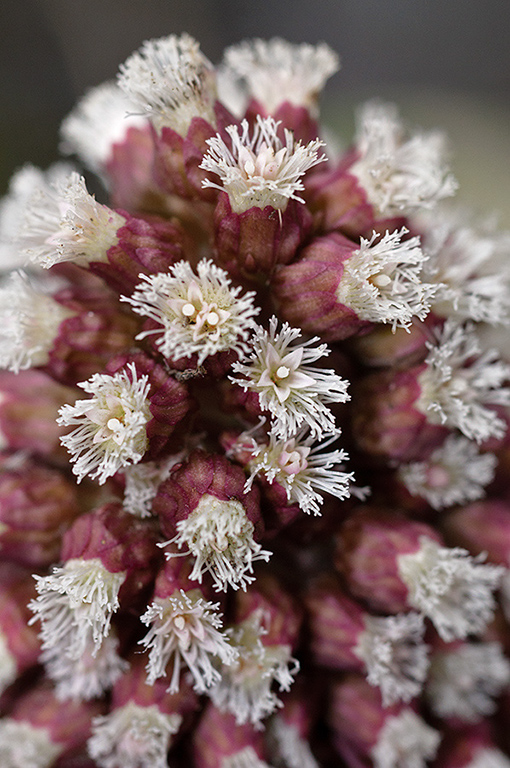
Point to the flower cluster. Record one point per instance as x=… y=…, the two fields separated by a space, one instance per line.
x=254 y=503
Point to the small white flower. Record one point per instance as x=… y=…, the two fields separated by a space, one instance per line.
x=246 y=758
x=303 y=469
x=455 y=473
x=465 y=681
x=133 y=736
x=110 y=427
x=294 y=392
x=63 y=222
x=186 y=629
x=452 y=588
x=172 y=81
x=399 y=175
x=29 y=322
x=405 y=741
x=75 y=606
x=89 y=675
x=244 y=689
x=22 y=187
x=458 y=384
x=219 y=535
x=260 y=170
x=468 y=262
x=199 y=313
x=23 y=745
x=489 y=758
x=275 y=71
x=100 y=120
x=395 y=656
x=382 y=280
x=288 y=746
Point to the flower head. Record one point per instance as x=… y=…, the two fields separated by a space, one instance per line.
x=452 y=588
x=405 y=741
x=464 y=681
x=110 y=426
x=88 y=675
x=22 y=187
x=468 y=264
x=63 y=222
x=303 y=469
x=75 y=605
x=98 y=121
x=244 y=689
x=133 y=736
x=29 y=322
x=274 y=71
x=186 y=629
x=220 y=537
x=23 y=744
x=260 y=170
x=399 y=175
x=172 y=81
x=382 y=280
x=199 y=313
x=395 y=655
x=294 y=392
x=458 y=384
x=455 y=473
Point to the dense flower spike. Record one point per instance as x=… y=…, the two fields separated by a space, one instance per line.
x=260 y=170
x=171 y=81
x=200 y=314
x=202 y=588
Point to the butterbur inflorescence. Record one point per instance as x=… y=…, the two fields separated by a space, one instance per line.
x=205 y=373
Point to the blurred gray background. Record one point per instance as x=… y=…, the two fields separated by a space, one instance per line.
x=446 y=62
